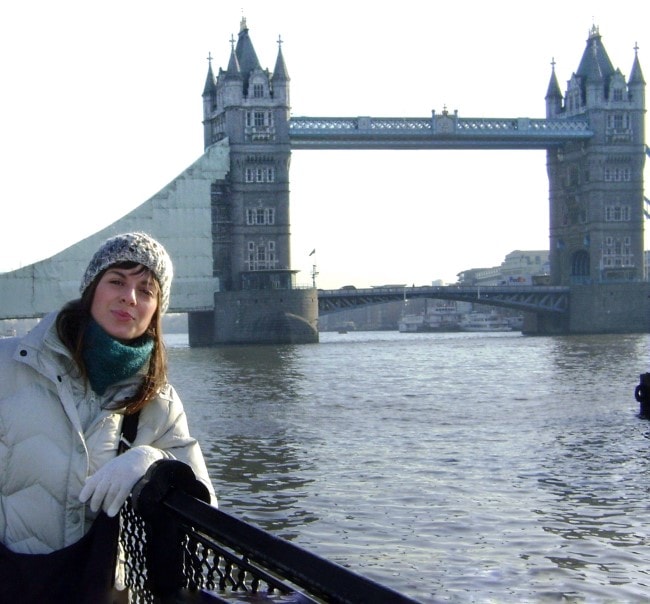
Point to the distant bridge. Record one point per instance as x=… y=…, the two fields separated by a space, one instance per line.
x=534 y=298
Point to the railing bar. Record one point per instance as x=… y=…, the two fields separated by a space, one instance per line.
x=298 y=565
x=241 y=562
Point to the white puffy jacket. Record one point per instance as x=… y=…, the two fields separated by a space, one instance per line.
x=46 y=456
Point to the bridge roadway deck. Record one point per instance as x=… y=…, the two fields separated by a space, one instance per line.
x=533 y=298
x=437 y=132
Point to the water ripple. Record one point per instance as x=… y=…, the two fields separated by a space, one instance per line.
x=452 y=467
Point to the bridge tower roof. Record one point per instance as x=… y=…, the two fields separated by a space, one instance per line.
x=245 y=52
x=595 y=65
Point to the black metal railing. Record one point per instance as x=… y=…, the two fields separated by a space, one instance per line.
x=175 y=547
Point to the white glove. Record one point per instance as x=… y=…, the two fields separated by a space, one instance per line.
x=109 y=487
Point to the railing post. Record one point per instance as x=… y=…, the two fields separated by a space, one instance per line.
x=642 y=395
x=164 y=550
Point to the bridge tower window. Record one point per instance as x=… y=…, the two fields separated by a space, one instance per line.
x=260 y=216
x=260 y=174
x=618 y=121
x=617 y=213
x=618 y=174
x=259 y=119
x=617 y=252
x=261 y=256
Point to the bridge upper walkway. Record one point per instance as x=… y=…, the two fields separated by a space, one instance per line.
x=443 y=131
x=533 y=298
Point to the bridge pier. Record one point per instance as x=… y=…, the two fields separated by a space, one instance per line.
x=597 y=308
x=545 y=324
x=273 y=316
x=610 y=308
x=200 y=328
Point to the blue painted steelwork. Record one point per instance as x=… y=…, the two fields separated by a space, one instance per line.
x=437 y=132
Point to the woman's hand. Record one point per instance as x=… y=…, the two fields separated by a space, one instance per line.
x=109 y=487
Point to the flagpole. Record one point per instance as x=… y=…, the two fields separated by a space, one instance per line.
x=314 y=272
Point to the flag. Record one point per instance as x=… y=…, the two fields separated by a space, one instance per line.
x=312 y=252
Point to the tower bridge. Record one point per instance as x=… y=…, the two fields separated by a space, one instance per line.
x=225 y=219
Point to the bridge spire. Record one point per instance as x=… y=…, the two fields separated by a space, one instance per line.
x=233 y=70
x=636 y=75
x=553 y=94
x=209 y=88
x=280 y=73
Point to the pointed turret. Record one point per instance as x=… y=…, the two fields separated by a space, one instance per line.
x=636 y=75
x=233 y=80
x=636 y=86
x=553 y=94
x=280 y=73
x=210 y=84
x=209 y=98
x=233 y=71
x=280 y=79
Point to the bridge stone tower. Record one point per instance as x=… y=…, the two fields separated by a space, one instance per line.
x=596 y=187
x=596 y=195
x=258 y=301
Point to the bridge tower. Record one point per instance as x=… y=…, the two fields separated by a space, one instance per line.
x=596 y=187
x=258 y=300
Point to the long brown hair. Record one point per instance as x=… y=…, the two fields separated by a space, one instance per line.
x=71 y=324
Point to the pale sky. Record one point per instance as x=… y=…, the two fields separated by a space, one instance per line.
x=101 y=108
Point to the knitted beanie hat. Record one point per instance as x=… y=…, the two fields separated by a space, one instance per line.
x=133 y=247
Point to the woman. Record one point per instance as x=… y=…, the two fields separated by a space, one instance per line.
x=65 y=389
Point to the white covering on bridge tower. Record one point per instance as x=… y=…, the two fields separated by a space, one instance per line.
x=179 y=216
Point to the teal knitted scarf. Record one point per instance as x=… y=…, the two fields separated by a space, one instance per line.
x=108 y=360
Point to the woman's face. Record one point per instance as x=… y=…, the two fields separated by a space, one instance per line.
x=125 y=301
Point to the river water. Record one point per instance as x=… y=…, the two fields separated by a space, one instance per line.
x=458 y=467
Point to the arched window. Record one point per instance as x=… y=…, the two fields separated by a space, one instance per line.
x=580 y=264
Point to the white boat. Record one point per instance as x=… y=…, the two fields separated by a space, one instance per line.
x=412 y=324
x=439 y=318
x=484 y=321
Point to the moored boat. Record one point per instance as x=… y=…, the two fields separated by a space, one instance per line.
x=432 y=322
x=482 y=321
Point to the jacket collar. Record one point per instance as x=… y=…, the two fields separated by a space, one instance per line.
x=42 y=349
